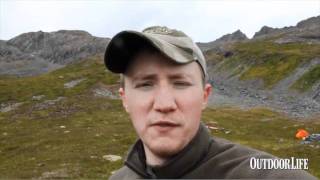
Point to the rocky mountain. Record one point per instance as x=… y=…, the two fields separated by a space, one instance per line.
x=305 y=31
x=221 y=43
x=278 y=68
x=265 y=30
x=35 y=53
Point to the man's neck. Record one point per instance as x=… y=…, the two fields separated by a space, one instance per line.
x=152 y=159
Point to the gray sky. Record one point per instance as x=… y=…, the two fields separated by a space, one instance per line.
x=203 y=20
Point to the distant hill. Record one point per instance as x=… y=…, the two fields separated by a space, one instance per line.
x=35 y=53
x=219 y=44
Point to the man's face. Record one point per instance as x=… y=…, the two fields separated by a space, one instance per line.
x=164 y=101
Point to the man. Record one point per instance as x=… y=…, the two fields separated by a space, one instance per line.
x=164 y=91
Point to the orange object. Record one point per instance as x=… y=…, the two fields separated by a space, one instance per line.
x=302 y=134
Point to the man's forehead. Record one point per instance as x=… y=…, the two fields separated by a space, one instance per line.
x=154 y=75
x=152 y=65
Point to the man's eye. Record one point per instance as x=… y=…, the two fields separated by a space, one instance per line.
x=144 y=85
x=181 y=84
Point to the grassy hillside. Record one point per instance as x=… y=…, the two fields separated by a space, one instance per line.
x=308 y=79
x=269 y=61
x=67 y=132
x=52 y=85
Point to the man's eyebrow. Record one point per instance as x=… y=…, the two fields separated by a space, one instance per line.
x=180 y=76
x=154 y=76
x=144 y=77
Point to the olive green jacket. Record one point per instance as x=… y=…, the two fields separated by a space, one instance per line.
x=204 y=157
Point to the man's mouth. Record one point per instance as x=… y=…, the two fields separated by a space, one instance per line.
x=164 y=125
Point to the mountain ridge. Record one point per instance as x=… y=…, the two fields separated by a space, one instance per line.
x=39 y=52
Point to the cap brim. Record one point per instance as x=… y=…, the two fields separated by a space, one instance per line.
x=126 y=44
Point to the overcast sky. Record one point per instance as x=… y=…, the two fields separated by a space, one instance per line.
x=203 y=20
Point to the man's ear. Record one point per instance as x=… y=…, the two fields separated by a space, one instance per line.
x=206 y=94
x=123 y=98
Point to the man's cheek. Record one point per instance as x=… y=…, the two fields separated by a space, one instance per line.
x=192 y=104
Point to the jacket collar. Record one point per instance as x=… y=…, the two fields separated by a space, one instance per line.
x=176 y=167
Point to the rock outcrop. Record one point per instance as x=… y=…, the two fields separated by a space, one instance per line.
x=221 y=43
x=39 y=52
x=305 y=31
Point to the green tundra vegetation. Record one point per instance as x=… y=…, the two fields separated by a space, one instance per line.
x=308 y=79
x=272 y=62
x=69 y=138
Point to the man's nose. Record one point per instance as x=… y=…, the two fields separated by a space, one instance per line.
x=164 y=100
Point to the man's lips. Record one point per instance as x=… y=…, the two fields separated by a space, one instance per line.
x=164 y=126
x=164 y=123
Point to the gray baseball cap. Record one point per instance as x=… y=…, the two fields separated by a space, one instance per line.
x=172 y=43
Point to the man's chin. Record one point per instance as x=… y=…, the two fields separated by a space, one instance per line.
x=165 y=149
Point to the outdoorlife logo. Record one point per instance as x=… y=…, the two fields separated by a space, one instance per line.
x=278 y=163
